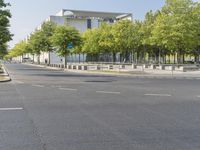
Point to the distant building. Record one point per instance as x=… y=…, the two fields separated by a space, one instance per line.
x=81 y=20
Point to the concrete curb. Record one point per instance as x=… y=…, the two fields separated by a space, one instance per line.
x=5 y=75
x=139 y=76
x=125 y=74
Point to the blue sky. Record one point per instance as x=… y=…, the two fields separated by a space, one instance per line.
x=28 y=14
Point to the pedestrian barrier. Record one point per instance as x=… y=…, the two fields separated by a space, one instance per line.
x=110 y=67
x=189 y=68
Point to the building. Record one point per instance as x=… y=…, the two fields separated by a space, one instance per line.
x=81 y=20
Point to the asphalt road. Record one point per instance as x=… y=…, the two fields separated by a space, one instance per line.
x=45 y=109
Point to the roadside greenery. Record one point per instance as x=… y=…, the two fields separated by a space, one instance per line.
x=64 y=39
x=5 y=35
x=168 y=35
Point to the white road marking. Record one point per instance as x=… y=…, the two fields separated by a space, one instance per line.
x=56 y=86
x=108 y=92
x=68 y=89
x=198 y=96
x=167 y=95
x=35 y=85
x=17 y=108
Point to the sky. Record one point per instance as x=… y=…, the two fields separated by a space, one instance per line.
x=28 y=14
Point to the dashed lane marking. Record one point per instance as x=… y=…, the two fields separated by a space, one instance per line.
x=166 y=95
x=68 y=89
x=108 y=92
x=6 y=109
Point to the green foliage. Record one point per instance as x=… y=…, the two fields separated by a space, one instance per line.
x=63 y=36
x=18 y=50
x=123 y=32
x=106 y=39
x=47 y=30
x=5 y=34
x=172 y=30
x=91 y=42
x=3 y=51
x=38 y=42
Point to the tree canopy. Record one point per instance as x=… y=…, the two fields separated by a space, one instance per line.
x=65 y=38
x=5 y=35
x=171 y=31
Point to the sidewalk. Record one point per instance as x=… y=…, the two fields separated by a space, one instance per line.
x=4 y=75
x=133 y=72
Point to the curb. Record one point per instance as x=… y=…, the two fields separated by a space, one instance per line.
x=6 y=80
x=140 y=76
x=5 y=75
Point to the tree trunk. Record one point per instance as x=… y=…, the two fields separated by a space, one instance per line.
x=33 y=58
x=183 y=58
x=174 y=58
x=114 y=57
x=83 y=57
x=65 y=60
x=49 y=58
x=79 y=58
x=126 y=56
x=22 y=57
x=159 y=56
x=132 y=57
x=137 y=57
x=39 y=59
x=179 y=57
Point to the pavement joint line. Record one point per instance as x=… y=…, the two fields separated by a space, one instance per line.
x=166 y=95
x=19 y=82
x=36 y=85
x=6 y=109
x=108 y=92
x=68 y=89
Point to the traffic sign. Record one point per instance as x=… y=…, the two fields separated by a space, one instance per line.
x=70 y=45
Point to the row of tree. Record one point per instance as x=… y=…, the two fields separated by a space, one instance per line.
x=49 y=38
x=172 y=32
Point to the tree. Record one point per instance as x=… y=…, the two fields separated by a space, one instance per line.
x=106 y=40
x=3 y=51
x=5 y=34
x=172 y=29
x=47 y=30
x=148 y=45
x=64 y=38
x=38 y=43
x=194 y=19
x=123 y=32
x=18 y=50
x=91 y=44
x=136 y=42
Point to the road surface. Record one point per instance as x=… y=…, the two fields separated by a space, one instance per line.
x=44 y=109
